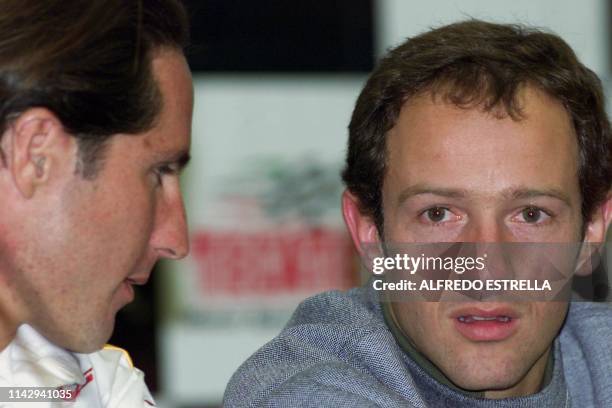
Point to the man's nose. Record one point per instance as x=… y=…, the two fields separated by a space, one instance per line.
x=482 y=233
x=485 y=230
x=170 y=236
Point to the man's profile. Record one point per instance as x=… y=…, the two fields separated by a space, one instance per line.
x=95 y=118
x=473 y=132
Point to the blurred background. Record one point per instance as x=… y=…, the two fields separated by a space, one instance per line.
x=275 y=83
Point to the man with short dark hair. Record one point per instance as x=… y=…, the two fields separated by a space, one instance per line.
x=470 y=133
x=95 y=117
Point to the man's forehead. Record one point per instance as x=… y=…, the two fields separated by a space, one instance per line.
x=525 y=101
x=428 y=117
x=445 y=147
x=170 y=138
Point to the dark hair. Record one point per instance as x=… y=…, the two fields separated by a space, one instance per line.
x=475 y=63
x=89 y=62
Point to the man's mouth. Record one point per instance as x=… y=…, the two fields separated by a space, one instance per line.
x=137 y=279
x=478 y=324
x=125 y=293
x=471 y=319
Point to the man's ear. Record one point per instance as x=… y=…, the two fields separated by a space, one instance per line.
x=37 y=144
x=362 y=227
x=597 y=229
x=594 y=236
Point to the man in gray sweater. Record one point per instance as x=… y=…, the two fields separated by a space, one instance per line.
x=472 y=132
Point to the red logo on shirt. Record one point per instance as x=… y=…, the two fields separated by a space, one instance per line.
x=73 y=390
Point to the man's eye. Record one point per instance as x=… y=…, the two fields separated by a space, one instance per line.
x=533 y=215
x=437 y=214
x=161 y=171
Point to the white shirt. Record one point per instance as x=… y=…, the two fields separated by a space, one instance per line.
x=104 y=379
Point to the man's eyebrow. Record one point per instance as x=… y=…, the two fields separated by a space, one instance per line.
x=179 y=159
x=523 y=193
x=422 y=189
x=183 y=160
x=512 y=193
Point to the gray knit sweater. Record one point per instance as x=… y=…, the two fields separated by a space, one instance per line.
x=336 y=351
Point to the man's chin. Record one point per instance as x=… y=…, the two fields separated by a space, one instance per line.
x=476 y=383
x=86 y=346
x=494 y=376
x=82 y=340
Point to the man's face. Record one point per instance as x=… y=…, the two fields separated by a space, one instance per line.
x=96 y=238
x=462 y=175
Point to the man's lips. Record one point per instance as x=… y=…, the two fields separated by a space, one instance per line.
x=134 y=280
x=124 y=294
x=485 y=312
x=480 y=324
x=128 y=284
x=139 y=278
